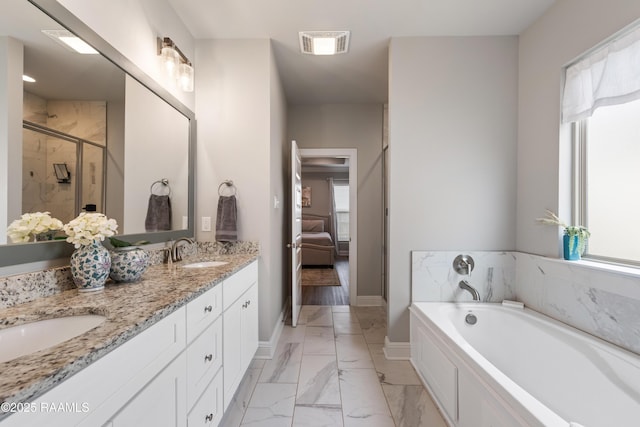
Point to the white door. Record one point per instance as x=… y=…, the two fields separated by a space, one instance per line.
x=295 y=244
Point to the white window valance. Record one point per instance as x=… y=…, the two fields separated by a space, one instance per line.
x=608 y=76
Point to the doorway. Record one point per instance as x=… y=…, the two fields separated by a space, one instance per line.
x=332 y=173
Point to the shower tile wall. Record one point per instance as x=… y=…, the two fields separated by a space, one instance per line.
x=433 y=277
x=83 y=119
x=34 y=109
x=34 y=155
x=41 y=190
x=86 y=120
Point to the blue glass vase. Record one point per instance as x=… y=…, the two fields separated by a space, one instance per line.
x=570 y=244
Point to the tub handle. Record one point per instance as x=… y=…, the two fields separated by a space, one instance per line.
x=463 y=264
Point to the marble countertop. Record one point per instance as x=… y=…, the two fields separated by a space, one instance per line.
x=130 y=308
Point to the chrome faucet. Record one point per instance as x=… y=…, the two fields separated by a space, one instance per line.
x=176 y=253
x=467 y=287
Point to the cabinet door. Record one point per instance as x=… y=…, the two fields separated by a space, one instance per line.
x=249 y=326
x=232 y=349
x=207 y=411
x=162 y=402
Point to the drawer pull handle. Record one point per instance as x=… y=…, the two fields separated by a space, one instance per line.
x=208 y=358
x=209 y=418
x=208 y=309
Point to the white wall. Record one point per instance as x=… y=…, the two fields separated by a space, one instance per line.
x=567 y=30
x=11 y=54
x=356 y=126
x=161 y=135
x=452 y=159
x=276 y=295
x=239 y=138
x=132 y=27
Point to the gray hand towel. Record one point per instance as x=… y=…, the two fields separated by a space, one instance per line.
x=226 y=219
x=158 y=213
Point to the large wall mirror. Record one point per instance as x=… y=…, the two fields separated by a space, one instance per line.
x=94 y=133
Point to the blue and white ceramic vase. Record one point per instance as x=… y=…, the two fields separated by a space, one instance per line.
x=128 y=263
x=90 y=266
x=570 y=244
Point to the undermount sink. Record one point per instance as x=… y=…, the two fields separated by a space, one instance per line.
x=205 y=264
x=28 y=338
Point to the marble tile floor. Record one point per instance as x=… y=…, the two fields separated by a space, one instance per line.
x=331 y=371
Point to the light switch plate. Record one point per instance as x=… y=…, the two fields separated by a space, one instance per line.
x=206 y=223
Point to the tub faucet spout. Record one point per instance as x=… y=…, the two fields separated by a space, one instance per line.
x=467 y=287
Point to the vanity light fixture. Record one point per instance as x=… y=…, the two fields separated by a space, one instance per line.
x=176 y=63
x=28 y=79
x=70 y=41
x=324 y=42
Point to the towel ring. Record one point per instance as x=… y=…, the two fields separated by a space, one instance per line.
x=165 y=183
x=229 y=185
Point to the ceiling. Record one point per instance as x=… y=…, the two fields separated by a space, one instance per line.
x=359 y=76
x=59 y=72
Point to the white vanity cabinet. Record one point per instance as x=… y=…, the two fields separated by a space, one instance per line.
x=181 y=371
x=240 y=323
x=96 y=394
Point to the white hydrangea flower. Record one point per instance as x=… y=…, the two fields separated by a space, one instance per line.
x=31 y=224
x=89 y=227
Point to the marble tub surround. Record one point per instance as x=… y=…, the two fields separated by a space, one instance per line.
x=597 y=301
x=596 y=298
x=130 y=308
x=434 y=279
x=26 y=287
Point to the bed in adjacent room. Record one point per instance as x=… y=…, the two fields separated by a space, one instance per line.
x=318 y=248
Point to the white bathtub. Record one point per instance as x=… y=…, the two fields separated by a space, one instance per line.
x=516 y=367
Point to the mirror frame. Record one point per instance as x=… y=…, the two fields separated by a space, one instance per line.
x=14 y=254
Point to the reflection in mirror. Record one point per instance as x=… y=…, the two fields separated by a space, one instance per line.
x=161 y=138
x=56 y=134
x=112 y=134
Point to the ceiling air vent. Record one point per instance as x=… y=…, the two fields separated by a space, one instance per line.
x=324 y=42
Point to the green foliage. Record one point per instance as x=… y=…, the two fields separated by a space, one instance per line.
x=582 y=233
x=117 y=243
x=570 y=230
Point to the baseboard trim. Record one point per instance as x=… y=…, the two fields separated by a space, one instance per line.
x=396 y=350
x=371 y=301
x=266 y=349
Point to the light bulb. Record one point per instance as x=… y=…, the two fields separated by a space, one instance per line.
x=185 y=77
x=171 y=59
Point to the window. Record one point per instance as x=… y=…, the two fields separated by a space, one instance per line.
x=602 y=100
x=341 y=200
x=608 y=181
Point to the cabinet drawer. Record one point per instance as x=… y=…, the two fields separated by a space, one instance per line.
x=208 y=410
x=202 y=311
x=237 y=284
x=204 y=359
